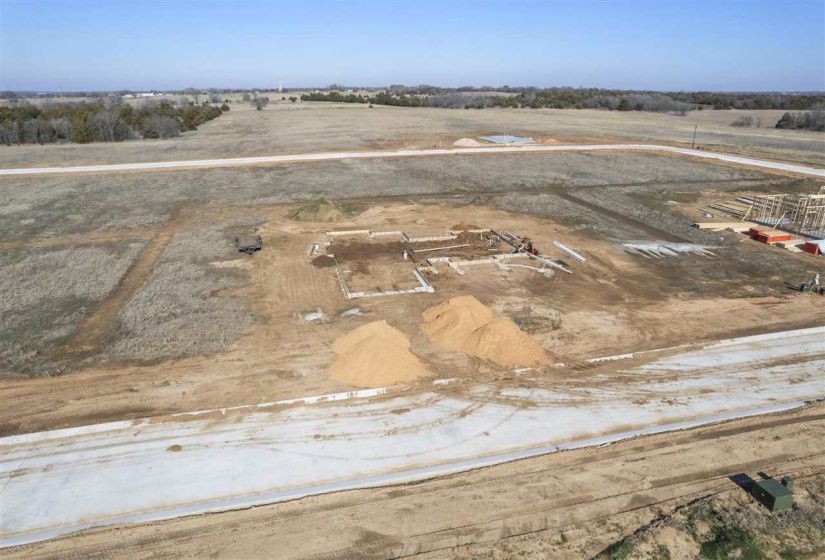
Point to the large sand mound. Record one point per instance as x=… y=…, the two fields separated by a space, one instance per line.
x=453 y=322
x=375 y=355
x=466 y=325
x=467 y=142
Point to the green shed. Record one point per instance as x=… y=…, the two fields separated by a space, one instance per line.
x=773 y=495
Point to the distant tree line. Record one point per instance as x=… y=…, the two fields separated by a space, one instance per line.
x=752 y=101
x=534 y=99
x=812 y=119
x=100 y=122
x=381 y=98
x=526 y=96
x=567 y=97
x=209 y=93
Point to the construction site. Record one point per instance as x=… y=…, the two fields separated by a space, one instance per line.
x=439 y=356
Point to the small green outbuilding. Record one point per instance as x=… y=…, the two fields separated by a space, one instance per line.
x=774 y=495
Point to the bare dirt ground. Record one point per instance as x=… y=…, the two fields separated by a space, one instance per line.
x=160 y=354
x=287 y=128
x=122 y=296
x=634 y=499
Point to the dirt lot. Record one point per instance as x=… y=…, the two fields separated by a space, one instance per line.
x=210 y=328
x=634 y=499
x=123 y=296
x=285 y=128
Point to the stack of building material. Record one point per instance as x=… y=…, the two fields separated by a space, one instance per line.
x=738 y=208
x=570 y=252
x=661 y=250
x=794 y=245
x=768 y=235
x=815 y=247
x=721 y=226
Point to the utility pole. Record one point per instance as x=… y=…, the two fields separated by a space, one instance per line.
x=693 y=144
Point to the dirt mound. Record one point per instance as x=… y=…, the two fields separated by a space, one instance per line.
x=323 y=261
x=453 y=322
x=464 y=226
x=467 y=143
x=503 y=343
x=466 y=325
x=375 y=355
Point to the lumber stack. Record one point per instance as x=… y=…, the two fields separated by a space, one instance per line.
x=721 y=226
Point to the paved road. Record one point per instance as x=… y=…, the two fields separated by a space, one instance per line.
x=301 y=158
x=65 y=480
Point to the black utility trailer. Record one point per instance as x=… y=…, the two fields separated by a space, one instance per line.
x=248 y=243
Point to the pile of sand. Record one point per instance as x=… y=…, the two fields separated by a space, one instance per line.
x=467 y=143
x=466 y=325
x=375 y=355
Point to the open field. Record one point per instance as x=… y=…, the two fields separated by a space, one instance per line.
x=290 y=128
x=123 y=300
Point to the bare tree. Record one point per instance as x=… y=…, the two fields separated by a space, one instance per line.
x=105 y=124
x=110 y=128
x=214 y=98
x=194 y=93
x=149 y=103
x=245 y=96
x=31 y=133
x=745 y=121
x=10 y=133
x=160 y=126
x=62 y=127
x=259 y=102
x=111 y=101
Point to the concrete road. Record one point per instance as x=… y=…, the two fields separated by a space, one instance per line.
x=304 y=158
x=65 y=480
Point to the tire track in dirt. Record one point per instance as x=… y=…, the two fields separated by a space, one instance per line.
x=656 y=233
x=111 y=236
x=678 y=488
x=700 y=484
x=95 y=327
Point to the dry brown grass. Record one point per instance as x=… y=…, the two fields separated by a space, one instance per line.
x=285 y=127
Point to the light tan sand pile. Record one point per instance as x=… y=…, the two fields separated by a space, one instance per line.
x=466 y=325
x=375 y=355
x=467 y=142
x=453 y=322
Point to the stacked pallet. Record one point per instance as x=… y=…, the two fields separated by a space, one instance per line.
x=739 y=227
x=733 y=209
x=768 y=235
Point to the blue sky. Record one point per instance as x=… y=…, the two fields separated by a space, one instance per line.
x=665 y=45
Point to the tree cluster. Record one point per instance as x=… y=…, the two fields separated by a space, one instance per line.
x=652 y=102
x=751 y=101
x=259 y=102
x=335 y=97
x=746 y=121
x=812 y=119
x=99 y=122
